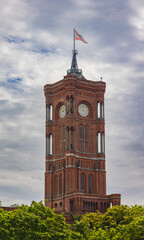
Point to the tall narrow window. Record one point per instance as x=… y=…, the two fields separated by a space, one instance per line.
x=71 y=102
x=47 y=113
x=86 y=139
x=50 y=112
x=60 y=184
x=67 y=104
x=81 y=138
x=90 y=184
x=47 y=146
x=82 y=181
x=60 y=139
x=56 y=184
x=67 y=131
x=98 y=110
x=72 y=138
x=50 y=144
x=99 y=142
x=103 y=143
x=64 y=138
x=102 y=110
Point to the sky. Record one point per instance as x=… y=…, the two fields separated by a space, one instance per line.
x=36 y=41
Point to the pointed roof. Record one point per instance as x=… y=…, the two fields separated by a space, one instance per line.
x=74 y=66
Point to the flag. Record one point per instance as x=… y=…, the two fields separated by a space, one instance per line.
x=79 y=37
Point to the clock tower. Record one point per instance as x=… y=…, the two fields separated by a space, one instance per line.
x=75 y=167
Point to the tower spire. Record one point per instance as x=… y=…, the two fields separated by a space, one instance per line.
x=74 y=66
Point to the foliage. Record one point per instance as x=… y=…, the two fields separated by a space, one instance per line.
x=118 y=223
x=75 y=217
x=34 y=222
x=37 y=222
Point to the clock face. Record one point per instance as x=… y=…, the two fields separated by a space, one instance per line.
x=62 y=111
x=83 y=110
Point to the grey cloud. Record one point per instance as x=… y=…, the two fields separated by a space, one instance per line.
x=39 y=52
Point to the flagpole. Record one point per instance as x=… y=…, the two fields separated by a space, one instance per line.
x=74 y=39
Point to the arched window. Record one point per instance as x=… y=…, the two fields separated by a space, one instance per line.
x=99 y=142
x=56 y=185
x=82 y=181
x=71 y=104
x=86 y=138
x=98 y=110
x=103 y=143
x=47 y=113
x=81 y=138
x=49 y=145
x=90 y=184
x=67 y=137
x=60 y=184
x=64 y=138
x=67 y=104
x=60 y=139
x=102 y=110
x=50 y=112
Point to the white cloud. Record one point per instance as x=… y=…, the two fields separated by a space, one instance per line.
x=137 y=18
x=35 y=46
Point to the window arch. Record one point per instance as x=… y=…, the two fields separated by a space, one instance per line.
x=82 y=181
x=86 y=138
x=81 y=138
x=90 y=184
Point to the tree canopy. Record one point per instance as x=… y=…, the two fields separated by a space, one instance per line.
x=118 y=223
x=37 y=222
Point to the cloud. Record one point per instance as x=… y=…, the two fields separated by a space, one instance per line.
x=137 y=19
x=35 y=49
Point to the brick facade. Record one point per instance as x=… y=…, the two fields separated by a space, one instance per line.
x=75 y=175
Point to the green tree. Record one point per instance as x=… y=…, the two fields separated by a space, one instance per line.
x=34 y=222
x=118 y=223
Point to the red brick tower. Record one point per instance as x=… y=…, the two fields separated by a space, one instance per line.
x=75 y=175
